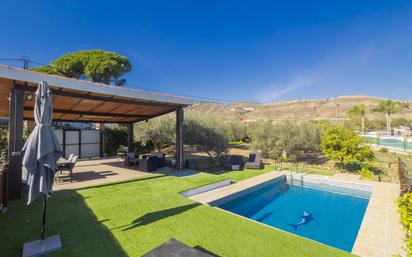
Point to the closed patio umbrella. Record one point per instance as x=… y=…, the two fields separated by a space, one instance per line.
x=41 y=152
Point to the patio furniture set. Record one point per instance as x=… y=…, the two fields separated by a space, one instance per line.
x=235 y=162
x=147 y=162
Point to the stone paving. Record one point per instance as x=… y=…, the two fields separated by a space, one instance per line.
x=95 y=172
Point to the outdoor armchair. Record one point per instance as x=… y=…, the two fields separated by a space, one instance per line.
x=254 y=162
x=131 y=159
x=235 y=163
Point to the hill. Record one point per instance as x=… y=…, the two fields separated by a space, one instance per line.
x=305 y=109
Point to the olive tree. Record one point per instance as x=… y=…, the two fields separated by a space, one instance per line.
x=158 y=131
x=287 y=137
x=208 y=134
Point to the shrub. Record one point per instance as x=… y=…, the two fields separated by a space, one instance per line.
x=384 y=150
x=3 y=146
x=405 y=209
x=366 y=173
x=114 y=137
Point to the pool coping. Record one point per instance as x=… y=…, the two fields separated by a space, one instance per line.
x=380 y=233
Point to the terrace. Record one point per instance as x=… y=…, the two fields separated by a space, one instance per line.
x=112 y=210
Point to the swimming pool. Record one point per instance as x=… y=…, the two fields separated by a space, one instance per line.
x=324 y=212
x=389 y=142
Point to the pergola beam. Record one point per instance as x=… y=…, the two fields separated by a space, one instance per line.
x=102 y=98
x=100 y=114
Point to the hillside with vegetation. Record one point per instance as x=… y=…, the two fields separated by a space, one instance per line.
x=305 y=109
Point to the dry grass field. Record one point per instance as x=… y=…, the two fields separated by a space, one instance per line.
x=306 y=109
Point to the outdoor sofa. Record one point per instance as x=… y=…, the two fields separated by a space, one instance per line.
x=152 y=162
x=254 y=162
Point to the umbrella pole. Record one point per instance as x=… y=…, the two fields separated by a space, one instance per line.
x=43 y=228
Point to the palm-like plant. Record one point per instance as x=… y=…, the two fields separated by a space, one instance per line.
x=388 y=107
x=359 y=111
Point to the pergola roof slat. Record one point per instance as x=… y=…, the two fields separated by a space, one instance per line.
x=78 y=100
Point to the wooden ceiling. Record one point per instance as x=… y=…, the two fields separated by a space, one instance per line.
x=82 y=106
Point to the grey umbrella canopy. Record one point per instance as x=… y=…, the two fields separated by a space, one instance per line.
x=42 y=149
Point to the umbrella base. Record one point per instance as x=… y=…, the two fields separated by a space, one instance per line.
x=42 y=248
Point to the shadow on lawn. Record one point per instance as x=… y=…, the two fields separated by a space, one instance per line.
x=68 y=215
x=156 y=216
x=198 y=247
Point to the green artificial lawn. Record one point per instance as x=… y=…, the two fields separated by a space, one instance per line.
x=131 y=218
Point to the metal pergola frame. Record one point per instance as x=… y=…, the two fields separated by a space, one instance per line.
x=78 y=101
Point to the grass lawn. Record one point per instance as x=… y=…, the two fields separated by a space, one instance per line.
x=131 y=218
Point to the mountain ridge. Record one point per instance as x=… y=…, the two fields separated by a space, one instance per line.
x=299 y=109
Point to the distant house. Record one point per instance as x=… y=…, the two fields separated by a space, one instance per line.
x=401 y=131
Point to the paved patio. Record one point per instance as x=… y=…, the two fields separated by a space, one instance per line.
x=97 y=171
x=380 y=234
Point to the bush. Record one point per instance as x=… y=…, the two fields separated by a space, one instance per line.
x=114 y=137
x=292 y=139
x=208 y=134
x=384 y=150
x=3 y=146
x=405 y=209
x=366 y=173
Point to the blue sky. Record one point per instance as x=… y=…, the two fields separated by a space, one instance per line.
x=261 y=51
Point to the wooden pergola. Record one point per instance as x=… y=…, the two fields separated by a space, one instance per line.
x=78 y=101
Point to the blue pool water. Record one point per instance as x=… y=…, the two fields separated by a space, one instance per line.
x=336 y=217
x=389 y=142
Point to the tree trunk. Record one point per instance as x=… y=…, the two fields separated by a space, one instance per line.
x=363 y=124
x=388 y=124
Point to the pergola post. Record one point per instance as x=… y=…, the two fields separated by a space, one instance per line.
x=130 y=144
x=179 y=138
x=15 y=144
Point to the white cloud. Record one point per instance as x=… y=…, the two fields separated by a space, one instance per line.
x=274 y=92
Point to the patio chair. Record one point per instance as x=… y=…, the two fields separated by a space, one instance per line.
x=70 y=157
x=131 y=159
x=235 y=163
x=254 y=162
x=70 y=166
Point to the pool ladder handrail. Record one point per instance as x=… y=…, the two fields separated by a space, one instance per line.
x=297 y=171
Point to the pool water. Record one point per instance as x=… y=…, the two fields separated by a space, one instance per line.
x=334 y=218
x=389 y=142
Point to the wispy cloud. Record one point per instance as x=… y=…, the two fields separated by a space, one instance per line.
x=276 y=91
